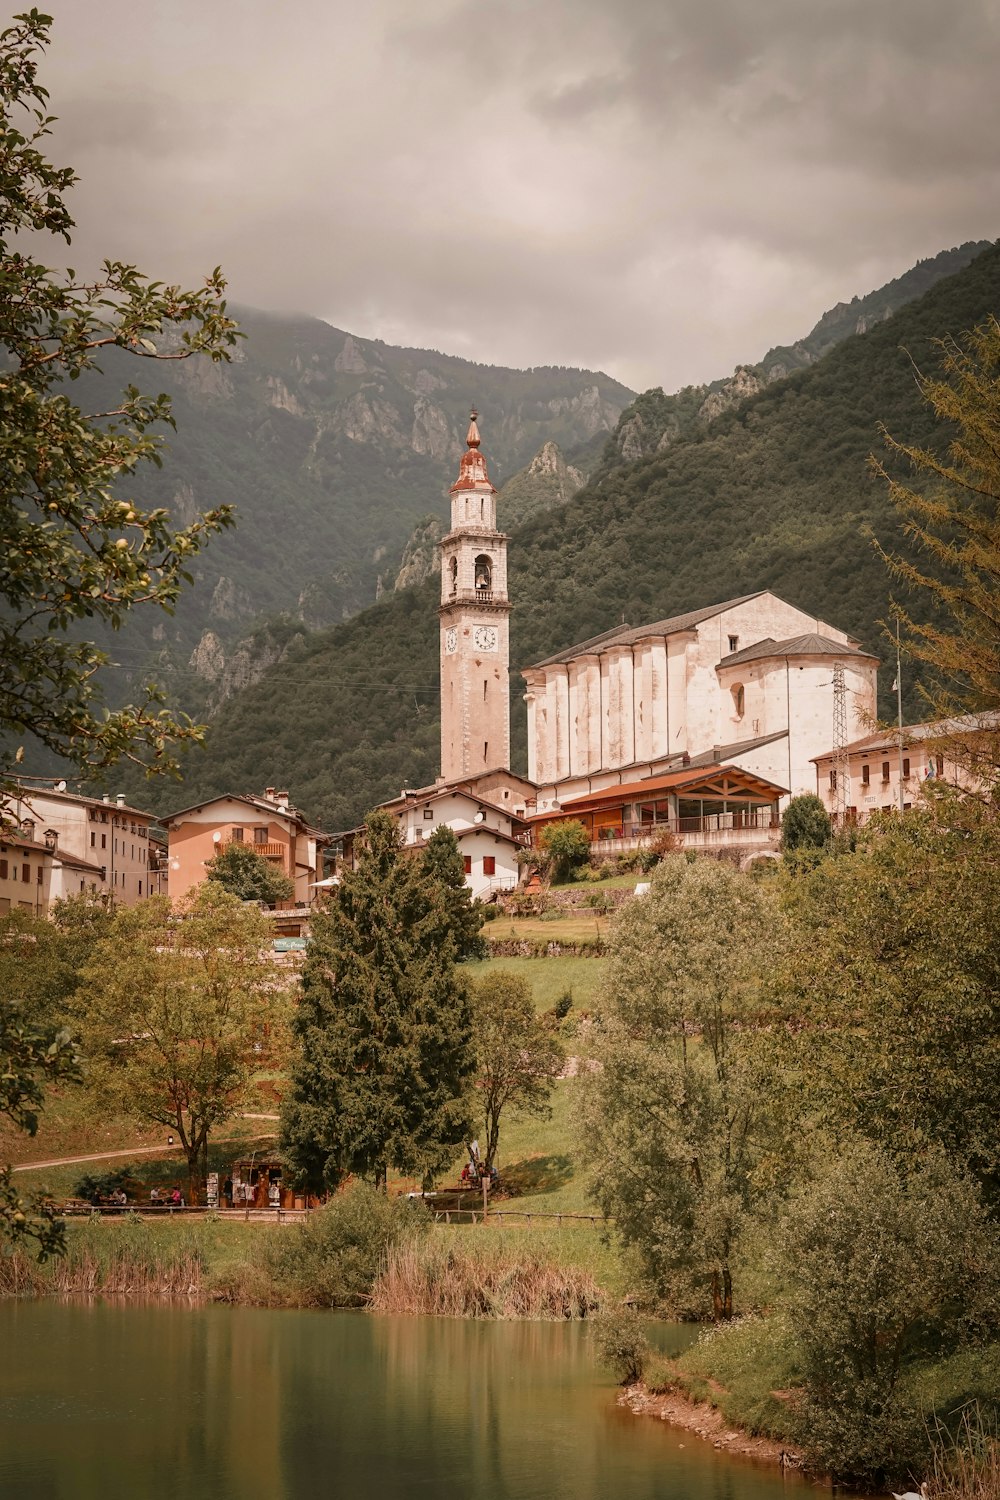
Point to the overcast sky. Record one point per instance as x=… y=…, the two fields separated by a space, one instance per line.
x=656 y=188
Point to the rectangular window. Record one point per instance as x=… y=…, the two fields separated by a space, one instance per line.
x=906 y=769
x=4 y=905
x=237 y=835
x=939 y=765
x=39 y=875
x=260 y=835
x=489 y=864
x=93 y=839
x=3 y=869
x=25 y=874
x=734 y=643
x=866 y=773
x=140 y=887
x=833 y=779
x=93 y=814
x=428 y=814
x=885 y=770
x=467 y=862
x=104 y=841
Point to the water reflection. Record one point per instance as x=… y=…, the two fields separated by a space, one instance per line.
x=165 y=1400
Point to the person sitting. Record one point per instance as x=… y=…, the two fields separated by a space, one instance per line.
x=154 y=1197
x=176 y=1201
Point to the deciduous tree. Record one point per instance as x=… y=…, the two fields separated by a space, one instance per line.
x=896 y=969
x=76 y=547
x=383 y=1075
x=241 y=871
x=180 y=1008
x=685 y=1124
x=31 y=1055
x=518 y=1054
x=885 y=1271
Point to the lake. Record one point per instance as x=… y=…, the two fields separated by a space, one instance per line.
x=162 y=1400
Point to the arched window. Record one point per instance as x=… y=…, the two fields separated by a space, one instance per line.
x=453 y=569
x=484 y=572
x=739 y=699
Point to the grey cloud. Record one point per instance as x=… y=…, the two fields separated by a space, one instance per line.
x=658 y=189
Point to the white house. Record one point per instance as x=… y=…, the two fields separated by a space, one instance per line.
x=99 y=844
x=489 y=833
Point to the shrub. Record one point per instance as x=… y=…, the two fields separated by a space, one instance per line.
x=563 y=1006
x=805 y=825
x=567 y=843
x=333 y=1259
x=621 y=1343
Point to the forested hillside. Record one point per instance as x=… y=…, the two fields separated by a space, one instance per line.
x=331 y=448
x=775 y=495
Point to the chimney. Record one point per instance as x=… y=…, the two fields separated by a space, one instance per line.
x=105 y=798
x=120 y=799
x=51 y=837
x=269 y=793
x=282 y=799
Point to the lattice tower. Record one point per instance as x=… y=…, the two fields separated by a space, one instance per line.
x=840 y=761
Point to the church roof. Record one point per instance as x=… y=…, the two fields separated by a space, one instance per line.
x=811 y=644
x=472 y=473
x=628 y=635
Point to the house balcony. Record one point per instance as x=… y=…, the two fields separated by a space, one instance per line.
x=740 y=830
x=268 y=851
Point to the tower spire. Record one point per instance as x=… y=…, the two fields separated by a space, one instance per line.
x=475 y=652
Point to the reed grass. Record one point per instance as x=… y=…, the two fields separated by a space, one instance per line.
x=123 y=1259
x=966 y=1467
x=452 y=1281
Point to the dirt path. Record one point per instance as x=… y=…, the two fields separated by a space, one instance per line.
x=707 y=1423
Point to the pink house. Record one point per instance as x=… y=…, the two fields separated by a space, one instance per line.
x=267 y=824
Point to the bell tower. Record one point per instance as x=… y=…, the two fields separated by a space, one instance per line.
x=474 y=610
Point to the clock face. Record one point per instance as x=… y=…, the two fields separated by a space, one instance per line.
x=484 y=638
x=451 y=640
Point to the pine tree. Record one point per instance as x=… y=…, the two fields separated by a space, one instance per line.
x=443 y=863
x=382 y=1079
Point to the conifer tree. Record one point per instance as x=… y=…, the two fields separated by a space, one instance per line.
x=384 y=1026
x=443 y=863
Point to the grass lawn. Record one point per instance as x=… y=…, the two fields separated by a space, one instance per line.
x=607 y=883
x=554 y=927
x=551 y=978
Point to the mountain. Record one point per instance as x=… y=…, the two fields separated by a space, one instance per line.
x=774 y=494
x=655 y=420
x=332 y=448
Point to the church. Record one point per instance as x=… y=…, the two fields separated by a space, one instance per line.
x=705 y=723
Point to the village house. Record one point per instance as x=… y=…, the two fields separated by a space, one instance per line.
x=25 y=873
x=887 y=771
x=97 y=845
x=486 y=814
x=268 y=824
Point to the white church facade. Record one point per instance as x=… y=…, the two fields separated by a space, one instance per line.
x=748 y=682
